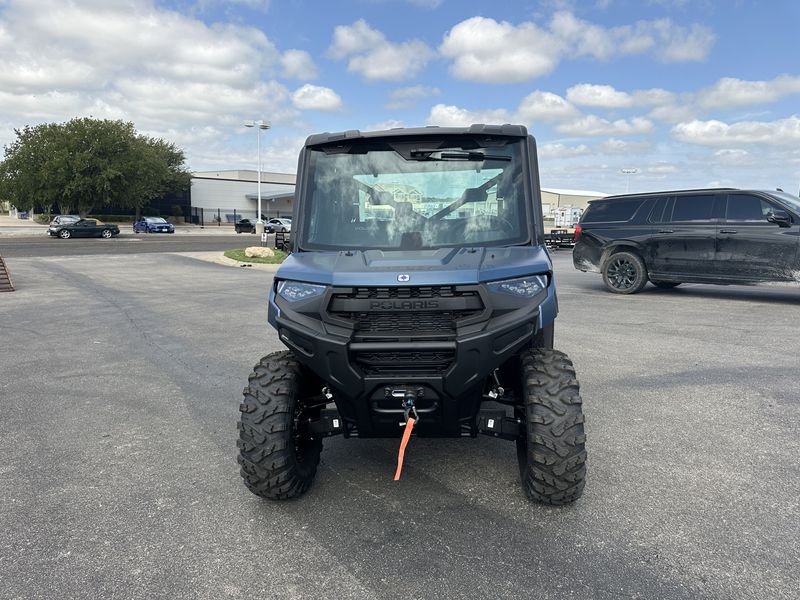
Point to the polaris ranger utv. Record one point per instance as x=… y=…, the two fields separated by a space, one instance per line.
x=419 y=295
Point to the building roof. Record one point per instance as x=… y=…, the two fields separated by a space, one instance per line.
x=270 y=195
x=247 y=175
x=564 y=192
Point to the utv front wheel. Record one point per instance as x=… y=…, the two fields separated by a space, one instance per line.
x=277 y=454
x=552 y=453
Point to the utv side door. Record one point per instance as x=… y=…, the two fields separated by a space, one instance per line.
x=750 y=247
x=684 y=236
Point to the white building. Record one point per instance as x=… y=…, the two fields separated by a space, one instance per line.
x=233 y=195
x=553 y=198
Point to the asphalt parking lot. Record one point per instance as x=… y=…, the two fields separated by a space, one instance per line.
x=120 y=378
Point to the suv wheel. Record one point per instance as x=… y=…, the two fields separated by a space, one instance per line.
x=552 y=453
x=277 y=454
x=665 y=285
x=624 y=273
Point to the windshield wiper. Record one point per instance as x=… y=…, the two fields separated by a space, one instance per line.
x=474 y=155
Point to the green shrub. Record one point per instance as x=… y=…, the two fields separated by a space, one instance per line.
x=238 y=254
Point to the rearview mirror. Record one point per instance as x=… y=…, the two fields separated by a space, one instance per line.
x=780 y=217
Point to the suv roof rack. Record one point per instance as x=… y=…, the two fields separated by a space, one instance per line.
x=475 y=129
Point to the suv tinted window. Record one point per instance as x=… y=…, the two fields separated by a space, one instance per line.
x=611 y=210
x=693 y=208
x=744 y=207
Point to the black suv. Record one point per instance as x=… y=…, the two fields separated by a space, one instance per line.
x=724 y=236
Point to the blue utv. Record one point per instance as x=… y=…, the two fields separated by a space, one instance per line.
x=418 y=297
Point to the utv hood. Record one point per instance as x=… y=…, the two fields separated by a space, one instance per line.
x=444 y=266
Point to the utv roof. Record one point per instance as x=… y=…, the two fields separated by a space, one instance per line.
x=319 y=139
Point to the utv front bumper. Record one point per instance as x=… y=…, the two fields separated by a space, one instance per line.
x=443 y=342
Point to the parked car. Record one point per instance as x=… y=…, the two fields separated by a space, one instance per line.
x=83 y=228
x=245 y=226
x=275 y=225
x=64 y=219
x=153 y=225
x=723 y=236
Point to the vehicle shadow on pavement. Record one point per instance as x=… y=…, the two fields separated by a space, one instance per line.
x=411 y=535
x=773 y=293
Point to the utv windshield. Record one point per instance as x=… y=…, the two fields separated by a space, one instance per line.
x=412 y=195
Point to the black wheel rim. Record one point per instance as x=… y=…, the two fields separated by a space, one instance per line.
x=622 y=274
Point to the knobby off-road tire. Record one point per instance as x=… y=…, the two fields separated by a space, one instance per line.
x=552 y=455
x=278 y=458
x=624 y=273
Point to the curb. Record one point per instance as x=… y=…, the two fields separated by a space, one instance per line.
x=221 y=259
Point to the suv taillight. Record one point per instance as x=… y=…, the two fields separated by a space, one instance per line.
x=578 y=230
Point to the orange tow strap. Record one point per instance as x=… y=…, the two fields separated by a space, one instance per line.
x=403 y=444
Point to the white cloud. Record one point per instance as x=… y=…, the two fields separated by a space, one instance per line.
x=592 y=125
x=733 y=156
x=315 y=97
x=662 y=168
x=483 y=49
x=382 y=125
x=783 y=132
x=617 y=146
x=604 y=96
x=558 y=150
x=407 y=97
x=536 y=107
x=445 y=115
x=541 y=107
x=731 y=92
x=374 y=57
x=544 y=106
x=431 y=4
x=298 y=64
x=171 y=74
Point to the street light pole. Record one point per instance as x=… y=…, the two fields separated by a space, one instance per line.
x=628 y=173
x=261 y=124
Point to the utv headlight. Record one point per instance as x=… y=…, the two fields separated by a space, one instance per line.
x=525 y=287
x=292 y=291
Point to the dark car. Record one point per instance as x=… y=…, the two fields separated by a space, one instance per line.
x=153 y=225
x=274 y=225
x=64 y=219
x=723 y=236
x=245 y=226
x=83 y=228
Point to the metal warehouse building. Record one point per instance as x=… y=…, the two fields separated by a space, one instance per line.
x=232 y=195
x=553 y=198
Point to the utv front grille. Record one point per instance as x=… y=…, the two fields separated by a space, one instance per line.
x=405 y=362
x=405 y=311
x=403 y=331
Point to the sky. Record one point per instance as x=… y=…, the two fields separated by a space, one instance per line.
x=688 y=93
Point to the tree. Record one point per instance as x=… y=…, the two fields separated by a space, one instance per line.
x=89 y=163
